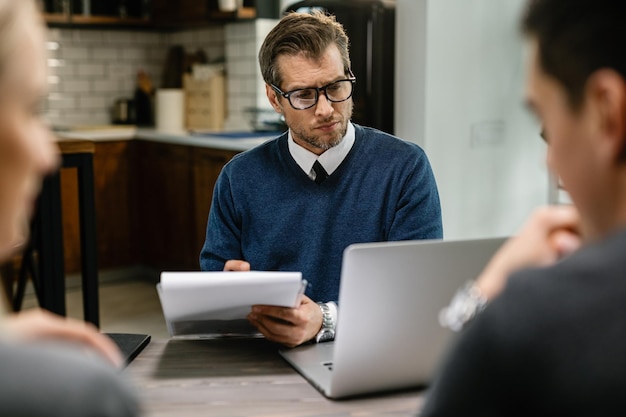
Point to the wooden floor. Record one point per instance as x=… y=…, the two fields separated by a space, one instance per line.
x=127 y=305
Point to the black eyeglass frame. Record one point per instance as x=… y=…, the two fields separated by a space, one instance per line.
x=318 y=90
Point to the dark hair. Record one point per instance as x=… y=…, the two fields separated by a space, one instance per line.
x=577 y=37
x=296 y=33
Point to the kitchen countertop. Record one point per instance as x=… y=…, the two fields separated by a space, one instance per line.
x=235 y=141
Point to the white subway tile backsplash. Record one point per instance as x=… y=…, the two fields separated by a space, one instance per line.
x=61 y=102
x=127 y=86
x=74 y=52
x=134 y=54
x=253 y=85
x=54 y=35
x=240 y=30
x=215 y=53
x=52 y=117
x=121 y=70
x=89 y=36
x=54 y=62
x=75 y=86
x=93 y=102
x=53 y=88
x=95 y=67
x=157 y=54
x=182 y=38
x=52 y=46
x=90 y=69
x=119 y=38
x=61 y=35
x=246 y=87
x=108 y=53
x=237 y=68
x=64 y=71
x=235 y=87
x=249 y=48
x=233 y=50
x=85 y=117
x=148 y=38
x=105 y=86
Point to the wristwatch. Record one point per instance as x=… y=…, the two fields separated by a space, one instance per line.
x=327 y=332
x=467 y=302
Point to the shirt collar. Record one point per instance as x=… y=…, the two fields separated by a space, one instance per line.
x=330 y=159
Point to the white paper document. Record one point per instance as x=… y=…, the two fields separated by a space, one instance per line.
x=215 y=304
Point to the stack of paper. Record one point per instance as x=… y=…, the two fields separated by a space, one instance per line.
x=215 y=304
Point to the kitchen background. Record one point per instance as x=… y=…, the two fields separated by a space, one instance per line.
x=90 y=69
x=458 y=85
x=458 y=94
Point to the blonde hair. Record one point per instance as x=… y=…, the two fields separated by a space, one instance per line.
x=14 y=16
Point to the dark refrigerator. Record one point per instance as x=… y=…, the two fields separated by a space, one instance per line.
x=370 y=25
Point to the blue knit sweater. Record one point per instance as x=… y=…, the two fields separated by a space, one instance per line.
x=267 y=211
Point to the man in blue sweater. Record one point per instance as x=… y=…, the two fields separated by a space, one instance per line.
x=296 y=202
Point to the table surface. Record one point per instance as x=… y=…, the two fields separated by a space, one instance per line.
x=237 y=377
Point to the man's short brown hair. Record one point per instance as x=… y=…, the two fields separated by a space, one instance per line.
x=302 y=33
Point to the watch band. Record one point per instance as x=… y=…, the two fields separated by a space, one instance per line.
x=467 y=302
x=327 y=332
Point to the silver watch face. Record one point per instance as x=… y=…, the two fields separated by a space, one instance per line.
x=325 y=335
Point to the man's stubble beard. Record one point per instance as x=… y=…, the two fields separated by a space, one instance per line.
x=324 y=146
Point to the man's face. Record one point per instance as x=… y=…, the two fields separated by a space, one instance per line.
x=573 y=153
x=322 y=126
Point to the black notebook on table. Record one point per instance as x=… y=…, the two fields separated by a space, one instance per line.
x=130 y=344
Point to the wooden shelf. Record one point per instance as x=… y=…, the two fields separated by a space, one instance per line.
x=58 y=19
x=109 y=20
x=211 y=17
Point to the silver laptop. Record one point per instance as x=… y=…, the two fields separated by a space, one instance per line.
x=388 y=333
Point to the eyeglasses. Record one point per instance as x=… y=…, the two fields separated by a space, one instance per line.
x=305 y=98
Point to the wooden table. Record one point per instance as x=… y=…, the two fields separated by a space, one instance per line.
x=189 y=378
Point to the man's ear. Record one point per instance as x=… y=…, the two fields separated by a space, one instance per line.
x=272 y=96
x=606 y=90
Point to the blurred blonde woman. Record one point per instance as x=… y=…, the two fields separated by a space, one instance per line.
x=49 y=365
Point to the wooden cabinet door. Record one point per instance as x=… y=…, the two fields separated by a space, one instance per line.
x=167 y=13
x=152 y=204
x=207 y=165
x=115 y=203
x=113 y=190
x=165 y=215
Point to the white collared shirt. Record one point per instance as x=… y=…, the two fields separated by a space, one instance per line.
x=330 y=159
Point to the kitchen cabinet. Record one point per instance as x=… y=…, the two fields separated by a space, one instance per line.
x=165 y=206
x=175 y=192
x=114 y=190
x=153 y=14
x=70 y=213
x=206 y=166
x=189 y=13
x=107 y=13
x=152 y=203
